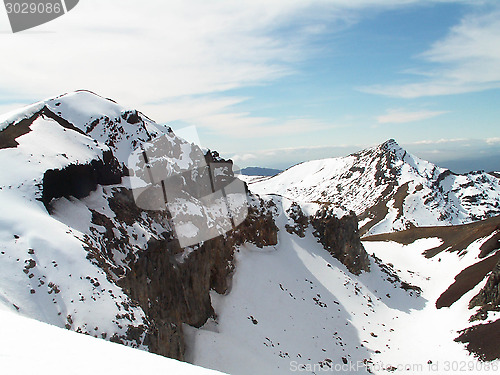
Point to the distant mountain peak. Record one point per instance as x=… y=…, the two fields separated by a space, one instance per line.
x=390 y=143
x=392 y=147
x=389 y=189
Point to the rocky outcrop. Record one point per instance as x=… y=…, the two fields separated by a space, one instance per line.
x=78 y=180
x=259 y=227
x=341 y=238
x=172 y=292
x=298 y=222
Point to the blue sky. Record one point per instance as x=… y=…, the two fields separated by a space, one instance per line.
x=272 y=83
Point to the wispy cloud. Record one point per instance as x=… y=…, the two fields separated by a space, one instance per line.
x=400 y=116
x=466 y=60
x=146 y=51
x=173 y=60
x=287 y=156
x=219 y=115
x=142 y=53
x=437 y=141
x=493 y=141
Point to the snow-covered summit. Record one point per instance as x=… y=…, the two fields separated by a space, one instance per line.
x=71 y=231
x=389 y=189
x=105 y=121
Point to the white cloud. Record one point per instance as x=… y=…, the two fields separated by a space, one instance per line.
x=398 y=116
x=437 y=141
x=467 y=60
x=164 y=56
x=147 y=51
x=287 y=156
x=218 y=115
x=493 y=141
x=173 y=60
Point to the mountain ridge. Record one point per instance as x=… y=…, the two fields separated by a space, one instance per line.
x=385 y=185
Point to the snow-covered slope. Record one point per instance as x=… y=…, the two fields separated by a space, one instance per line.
x=28 y=346
x=293 y=307
x=389 y=189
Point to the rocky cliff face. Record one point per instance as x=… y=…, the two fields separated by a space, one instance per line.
x=340 y=236
x=78 y=180
x=171 y=284
x=173 y=290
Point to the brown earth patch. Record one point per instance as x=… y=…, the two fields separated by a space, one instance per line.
x=482 y=340
x=467 y=280
x=377 y=212
x=399 y=198
x=490 y=245
x=16 y=129
x=455 y=238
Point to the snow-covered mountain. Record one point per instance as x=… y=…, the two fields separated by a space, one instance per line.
x=76 y=249
x=86 y=246
x=45 y=267
x=389 y=189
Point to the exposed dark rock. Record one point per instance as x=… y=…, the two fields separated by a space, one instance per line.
x=78 y=180
x=300 y=221
x=341 y=238
x=171 y=284
x=492 y=244
x=172 y=292
x=132 y=117
x=259 y=227
x=16 y=129
x=214 y=157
